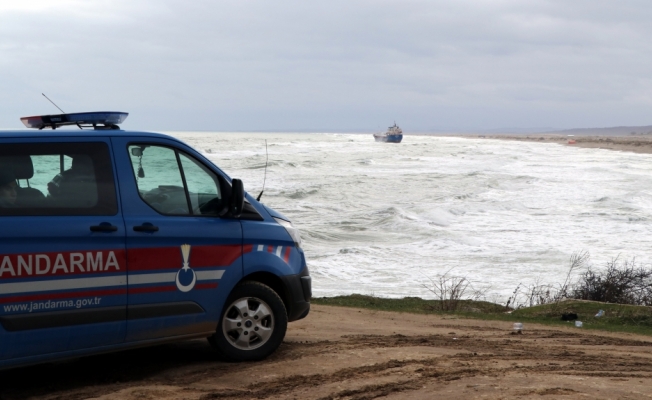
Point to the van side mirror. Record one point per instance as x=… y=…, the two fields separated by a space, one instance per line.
x=237 y=198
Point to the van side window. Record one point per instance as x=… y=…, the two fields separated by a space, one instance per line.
x=57 y=179
x=173 y=183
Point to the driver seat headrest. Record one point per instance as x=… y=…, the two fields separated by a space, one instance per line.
x=21 y=166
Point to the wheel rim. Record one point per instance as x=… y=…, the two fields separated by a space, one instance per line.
x=248 y=323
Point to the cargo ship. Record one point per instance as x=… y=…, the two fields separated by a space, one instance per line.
x=394 y=134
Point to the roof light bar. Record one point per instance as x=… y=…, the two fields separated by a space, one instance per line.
x=97 y=120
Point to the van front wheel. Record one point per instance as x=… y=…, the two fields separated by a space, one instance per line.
x=253 y=323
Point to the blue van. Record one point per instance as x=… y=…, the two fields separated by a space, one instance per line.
x=112 y=239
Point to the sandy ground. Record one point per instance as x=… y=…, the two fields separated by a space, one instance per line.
x=345 y=353
x=633 y=143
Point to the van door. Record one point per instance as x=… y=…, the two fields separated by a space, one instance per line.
x=62 y=248
x=183 y=258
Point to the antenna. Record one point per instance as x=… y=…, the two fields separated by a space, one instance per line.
x=53 y=103
x=265 y=177
x=63 y=112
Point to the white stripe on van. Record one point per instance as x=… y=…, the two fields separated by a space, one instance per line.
x=278 y=251
x=207 y=275
x=62 y=284
x=169 y=277
x=104 y=281
x=152 y=278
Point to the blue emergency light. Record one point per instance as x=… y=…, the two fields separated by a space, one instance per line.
x=96 y=120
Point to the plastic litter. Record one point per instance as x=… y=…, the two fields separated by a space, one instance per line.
x=518 y=327
x=578 y=324
x=599 y=314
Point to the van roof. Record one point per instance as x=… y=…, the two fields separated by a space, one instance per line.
x=72 y=133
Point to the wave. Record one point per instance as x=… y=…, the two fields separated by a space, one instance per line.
x=298 y=194
x=372 y=216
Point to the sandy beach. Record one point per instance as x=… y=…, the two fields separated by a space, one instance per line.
x=348 y=353
x=633 y=143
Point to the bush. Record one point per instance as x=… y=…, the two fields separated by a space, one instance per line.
x=451 y=290
x=621 y=282
x=537 y=294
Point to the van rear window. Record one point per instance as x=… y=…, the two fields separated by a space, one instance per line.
x=56 y=179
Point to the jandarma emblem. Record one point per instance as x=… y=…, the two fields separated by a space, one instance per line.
x=185 y=253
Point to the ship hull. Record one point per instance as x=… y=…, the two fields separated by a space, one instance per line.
x=389 y=138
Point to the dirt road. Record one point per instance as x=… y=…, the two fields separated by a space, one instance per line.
x=344 y=353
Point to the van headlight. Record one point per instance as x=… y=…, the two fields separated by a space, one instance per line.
x=294 y=232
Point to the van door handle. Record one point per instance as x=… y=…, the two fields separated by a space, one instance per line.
x=104 y=227
x=146 y=227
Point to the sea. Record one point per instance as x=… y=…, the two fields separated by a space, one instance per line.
x=390 y=220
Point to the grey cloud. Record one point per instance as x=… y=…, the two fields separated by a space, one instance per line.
x=240 y=65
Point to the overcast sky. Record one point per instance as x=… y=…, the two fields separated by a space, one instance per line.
x=331 y=65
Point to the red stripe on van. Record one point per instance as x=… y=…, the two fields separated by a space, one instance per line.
x=201 y=286
x=153 y=289
x=170 y=257
x=286 y=257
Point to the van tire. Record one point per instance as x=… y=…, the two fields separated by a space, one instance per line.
x=252 y=325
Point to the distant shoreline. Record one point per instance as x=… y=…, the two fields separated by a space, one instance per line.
x=634 y=143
